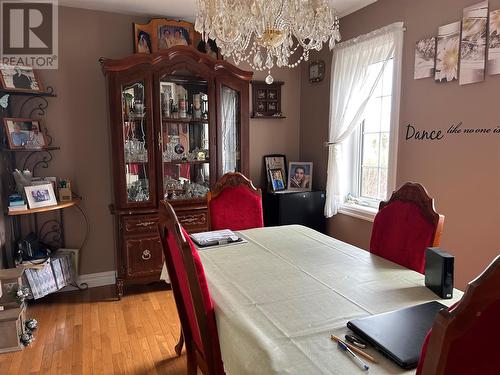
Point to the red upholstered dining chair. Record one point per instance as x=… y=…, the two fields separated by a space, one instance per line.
x=235 y=204
x=464 y=338
x=405 y=226
x=192 y=297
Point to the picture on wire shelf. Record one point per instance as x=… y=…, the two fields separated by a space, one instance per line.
x=19 y=77
x=473 y=43
x=425 y=56
x=24 y=133
x=494 y=43
x=300 y=176
x=447 y=53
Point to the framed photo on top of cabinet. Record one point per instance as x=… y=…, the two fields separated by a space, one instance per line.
x=277 y=179
x=273 y=162
x=161 y=34
x=300 y=176
x=266 y=99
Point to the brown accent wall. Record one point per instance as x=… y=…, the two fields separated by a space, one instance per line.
x=78 y=121
x=462 y=173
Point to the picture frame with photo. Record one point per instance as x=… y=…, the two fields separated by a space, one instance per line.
x=161 y=34
x=40 y=195
x=25 y=133
x=300 y=176
x=271 y=162
x=20 y=78
x=277 y=179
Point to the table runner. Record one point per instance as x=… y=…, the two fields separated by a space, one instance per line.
x=280 y=296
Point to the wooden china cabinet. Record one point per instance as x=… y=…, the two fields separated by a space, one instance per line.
x=179 y=121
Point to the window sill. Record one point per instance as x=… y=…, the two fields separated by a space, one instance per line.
x=358 y=211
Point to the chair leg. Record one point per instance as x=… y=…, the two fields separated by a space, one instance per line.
x=192 y=367
x=180 y=344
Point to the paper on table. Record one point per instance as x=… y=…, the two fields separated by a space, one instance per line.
x=218 y=237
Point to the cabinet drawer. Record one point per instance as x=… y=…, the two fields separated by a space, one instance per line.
x=193 y=220
x=144 y=255
x=140 y=224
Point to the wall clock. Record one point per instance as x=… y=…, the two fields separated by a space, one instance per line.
x=316 y=71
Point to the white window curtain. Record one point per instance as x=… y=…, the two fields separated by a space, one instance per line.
x=352 y=86
x=229 y=99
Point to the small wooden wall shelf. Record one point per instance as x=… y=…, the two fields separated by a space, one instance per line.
x=266 y=100
x=58 y=206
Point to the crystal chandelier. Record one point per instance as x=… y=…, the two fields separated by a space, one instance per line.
x=265 y=33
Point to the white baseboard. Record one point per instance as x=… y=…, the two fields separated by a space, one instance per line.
x=93 y=280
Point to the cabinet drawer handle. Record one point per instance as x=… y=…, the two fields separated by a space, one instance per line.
x=145 y=224
x=146 y=255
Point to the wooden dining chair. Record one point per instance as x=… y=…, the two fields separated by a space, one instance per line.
x=192 y=297
x=235 y=204
x=464 y=339
x=405 y=226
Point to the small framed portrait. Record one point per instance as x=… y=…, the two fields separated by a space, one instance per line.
x=316 y=71
x=272 y=94
x=272 y=162
x=261 y=94
x=18 y=77
x=261 y=106
x=169 y=36
x=272 y=106
x=300 y=176
x=277 y=179
x=143 y=42
x=24 y=133
x=161 y=34
x=40 y=195
x=210 y=48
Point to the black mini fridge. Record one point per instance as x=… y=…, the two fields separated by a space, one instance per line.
x=304 y=208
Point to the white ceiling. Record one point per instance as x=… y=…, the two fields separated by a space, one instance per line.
x=179 y=9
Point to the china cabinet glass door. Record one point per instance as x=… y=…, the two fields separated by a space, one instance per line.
x=185 y=137
x=137 y=144
x=232 y=125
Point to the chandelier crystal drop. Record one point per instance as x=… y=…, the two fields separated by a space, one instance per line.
x=265 y=33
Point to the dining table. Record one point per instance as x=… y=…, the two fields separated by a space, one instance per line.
x=283 y=291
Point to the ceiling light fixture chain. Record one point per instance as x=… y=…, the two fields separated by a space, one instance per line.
x=268 y=33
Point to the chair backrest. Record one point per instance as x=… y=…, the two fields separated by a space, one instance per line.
x=405 y=226
x=464 y=339
x=192 y=297
x=235 y=204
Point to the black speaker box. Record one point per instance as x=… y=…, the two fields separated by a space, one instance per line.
x=439 y=268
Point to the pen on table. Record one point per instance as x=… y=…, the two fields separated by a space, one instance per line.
x=354 y=349
x=363 y=366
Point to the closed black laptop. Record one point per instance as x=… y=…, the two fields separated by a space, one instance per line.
x=398 y=334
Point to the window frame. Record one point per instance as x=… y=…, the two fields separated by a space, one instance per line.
x=359 y=209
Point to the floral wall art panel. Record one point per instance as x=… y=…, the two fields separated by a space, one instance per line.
x=448 y=44
x=425 y=58
x=473 y=43
x=494 y=46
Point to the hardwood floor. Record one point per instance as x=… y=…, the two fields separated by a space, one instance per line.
x=90 y=332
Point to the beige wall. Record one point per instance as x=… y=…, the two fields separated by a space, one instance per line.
x=462 y=173
x=276 y=136
x=78 y=121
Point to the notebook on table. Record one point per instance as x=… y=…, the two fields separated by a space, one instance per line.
x=400 y=334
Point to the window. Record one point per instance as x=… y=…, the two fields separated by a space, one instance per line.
x=371 y=166
x=364 y=120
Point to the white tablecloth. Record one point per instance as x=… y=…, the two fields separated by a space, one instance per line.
x=279 y=297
